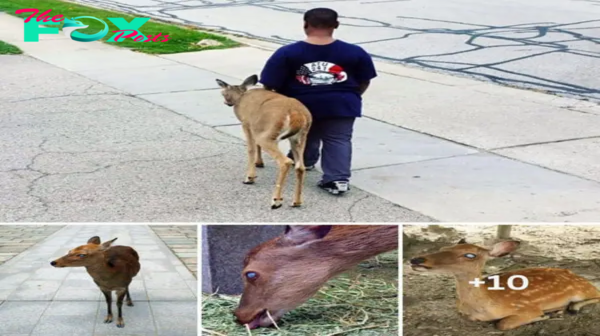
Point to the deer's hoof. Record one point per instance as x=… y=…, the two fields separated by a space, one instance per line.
x=296 y=204
x=277 y=203
x=249 y=180
x=259 y=165
x=130 y=303
x=108 y=319
x=120 y=323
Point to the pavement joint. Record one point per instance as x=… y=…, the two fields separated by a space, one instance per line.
x=543 y=143
x=178 y=236
x=28 y=236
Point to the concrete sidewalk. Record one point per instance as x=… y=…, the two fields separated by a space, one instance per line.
x=448 y=148
x=38 y=299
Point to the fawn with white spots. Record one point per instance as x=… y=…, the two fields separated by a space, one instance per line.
x=548 y=290
x=268 y=117
x=284 y=272
x=111 y=267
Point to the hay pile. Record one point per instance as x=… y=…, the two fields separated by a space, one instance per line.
x=361 y=302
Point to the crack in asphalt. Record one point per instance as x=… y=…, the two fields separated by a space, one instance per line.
x=352 y=220
x=45 y=204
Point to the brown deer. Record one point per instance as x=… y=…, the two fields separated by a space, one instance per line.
x=284 y=272
x=268 y=117
x=111 y=267
x=507 y=297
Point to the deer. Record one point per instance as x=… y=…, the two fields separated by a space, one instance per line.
x=267 y=118
x=546 y=290
x=284 y=272
x=111 y=267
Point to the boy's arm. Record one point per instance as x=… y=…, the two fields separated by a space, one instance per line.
x=274 y=74
x=365 y=71
x=362 y=87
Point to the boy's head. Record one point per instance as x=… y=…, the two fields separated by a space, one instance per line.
x=320 y=20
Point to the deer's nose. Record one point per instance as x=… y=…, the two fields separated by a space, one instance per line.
x=417 y=261
x=53 y=263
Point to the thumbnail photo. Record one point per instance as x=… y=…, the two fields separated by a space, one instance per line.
x=313 y=280
x=512 y=280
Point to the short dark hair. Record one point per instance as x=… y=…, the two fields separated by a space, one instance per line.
x=321 y=18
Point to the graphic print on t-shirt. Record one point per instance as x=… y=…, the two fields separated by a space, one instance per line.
x=320 y=73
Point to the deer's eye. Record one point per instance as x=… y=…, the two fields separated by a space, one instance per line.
x=81 y=255
x=251 y=275
x=470 y=256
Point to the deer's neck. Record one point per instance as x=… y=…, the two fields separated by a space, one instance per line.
x=470 y=297
x=98 y=269
x=348 y=245
x=236 y=111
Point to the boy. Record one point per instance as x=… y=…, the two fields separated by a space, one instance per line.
x=329 y=76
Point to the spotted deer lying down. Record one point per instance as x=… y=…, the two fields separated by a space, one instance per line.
x=521 y=301
x=268 y=117
x=111 y=267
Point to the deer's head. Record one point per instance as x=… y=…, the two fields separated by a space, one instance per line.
x=461 y=258
x=282 y=273
x=233 y=93
x=84 y=255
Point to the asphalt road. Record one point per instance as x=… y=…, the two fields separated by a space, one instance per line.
x=547 y=45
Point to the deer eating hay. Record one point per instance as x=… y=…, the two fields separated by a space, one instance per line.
x=268 y=117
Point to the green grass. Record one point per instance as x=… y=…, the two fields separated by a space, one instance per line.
x=180 y=39
x=9 y=49
x=361 y=302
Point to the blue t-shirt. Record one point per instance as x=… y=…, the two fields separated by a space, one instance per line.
x=325 y=78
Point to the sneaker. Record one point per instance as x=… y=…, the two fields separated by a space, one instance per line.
x=335 y=187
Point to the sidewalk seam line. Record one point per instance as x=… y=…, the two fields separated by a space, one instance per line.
x=411 y=162
x=546 y=142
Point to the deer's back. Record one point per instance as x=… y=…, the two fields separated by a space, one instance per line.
x=547 y=289
x=264 y=106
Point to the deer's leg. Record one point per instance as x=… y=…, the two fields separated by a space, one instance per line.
x=298 y=144
x=252 y=150
x=108 y=297
x=120 y=296
x=284 y=163
x=525 y=317
x=259 y=160
x=129 y=302
x=576 y=306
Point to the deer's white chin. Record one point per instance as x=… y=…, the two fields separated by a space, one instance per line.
x=263 y=319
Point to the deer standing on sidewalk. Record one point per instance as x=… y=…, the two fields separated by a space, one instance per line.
x=284 y=272
x=548 y=289
x=268 y=117
x=111 y=268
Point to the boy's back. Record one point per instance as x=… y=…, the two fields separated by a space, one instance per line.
x=326 y=78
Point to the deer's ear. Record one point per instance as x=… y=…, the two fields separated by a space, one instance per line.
x=94 y=240
x=300 y=234
x=222 y=84
x=503 y=248
x=252 y=80
x=107 y=244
